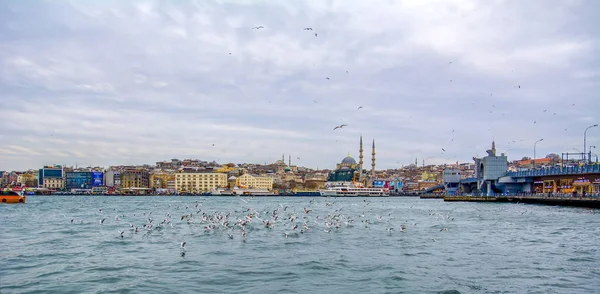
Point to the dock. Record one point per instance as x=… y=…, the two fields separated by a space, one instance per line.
x=432 y=196
x=562 y=201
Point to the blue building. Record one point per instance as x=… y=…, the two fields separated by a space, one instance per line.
x=49 y=172
x=451 y=181
x=78 y=180
x=488 y=171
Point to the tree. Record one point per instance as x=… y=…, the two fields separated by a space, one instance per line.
x=526 y=158
x=554 y=158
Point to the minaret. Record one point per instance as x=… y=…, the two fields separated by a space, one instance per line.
x=283 y=158
x=289 y=160
x=360 y=160
x=373 y=161
x=493 y=148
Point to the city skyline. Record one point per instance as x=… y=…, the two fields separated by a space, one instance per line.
x=110 y=83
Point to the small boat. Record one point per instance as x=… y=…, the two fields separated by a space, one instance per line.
x=12 y=197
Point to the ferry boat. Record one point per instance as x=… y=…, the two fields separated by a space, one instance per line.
x=12 y=196
x=345 y=191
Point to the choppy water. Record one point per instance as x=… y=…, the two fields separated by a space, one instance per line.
x=487 y=248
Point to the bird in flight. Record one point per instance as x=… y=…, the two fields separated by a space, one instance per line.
x=308 y=29
x=315 y=34
x=360 y=107
x=443 y=149
x=327 y=78
x=340 y=126
x=258 y=28
x=315 y=101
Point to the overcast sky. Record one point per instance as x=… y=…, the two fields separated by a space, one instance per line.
x=133 y=82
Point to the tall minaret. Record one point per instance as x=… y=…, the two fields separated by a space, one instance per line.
x=373 y=161
x=289 y=160
x=360 y=155
x=283 y=158
x=493 y=148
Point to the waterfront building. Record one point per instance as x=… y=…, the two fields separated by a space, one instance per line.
x=86 y=180
x=199 y=182
x=162 y=180
x=135 y=179
x=78 y=180
x=344 y=171
x=489 y=169
x=54 y=183
x=254 y=182
x=54 y=173
x=451 y=180
x=112 y=179
x=348 y=170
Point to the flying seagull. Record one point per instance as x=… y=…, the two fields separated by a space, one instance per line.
x=340 y=126
x=258 y=28
x=443 y=149
x=327 y=78
x=315 y=34
x=308 y=29
x=360 y=107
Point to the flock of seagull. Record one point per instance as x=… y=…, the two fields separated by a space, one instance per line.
x=320 y=215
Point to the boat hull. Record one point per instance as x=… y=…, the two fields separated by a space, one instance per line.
x=12 y=198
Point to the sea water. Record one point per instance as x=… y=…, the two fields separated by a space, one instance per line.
x=59 y=244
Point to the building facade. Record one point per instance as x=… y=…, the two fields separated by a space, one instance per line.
x=49 y=172
x=199 y=182
x=78 y=180
x=135 y=178
x=254 y=182
x=54 y=184
x=161 y=180
x=451 y=179
x=489 y=169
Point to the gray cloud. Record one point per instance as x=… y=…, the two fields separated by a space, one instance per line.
x=136 y=82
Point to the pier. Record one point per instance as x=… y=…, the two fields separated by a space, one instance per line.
x=590 y=202
x=432 y=196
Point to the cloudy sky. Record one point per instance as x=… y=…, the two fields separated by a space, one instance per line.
x=132 y=82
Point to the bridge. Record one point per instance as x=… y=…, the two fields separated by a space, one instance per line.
x=557 y=171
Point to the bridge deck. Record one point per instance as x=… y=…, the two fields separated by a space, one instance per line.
x=557 y=171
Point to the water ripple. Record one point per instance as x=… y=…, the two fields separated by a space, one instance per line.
x=446 y=247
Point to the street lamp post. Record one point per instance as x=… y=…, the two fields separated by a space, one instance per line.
x=540 y=140
x=585 y=135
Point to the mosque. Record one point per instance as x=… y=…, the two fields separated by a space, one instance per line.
x=348 y=170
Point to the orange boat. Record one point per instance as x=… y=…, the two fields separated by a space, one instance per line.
x=12 y=197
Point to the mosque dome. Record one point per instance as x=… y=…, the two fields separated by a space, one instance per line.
x=287 y=169
x=279 y=162
x=348 y=161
